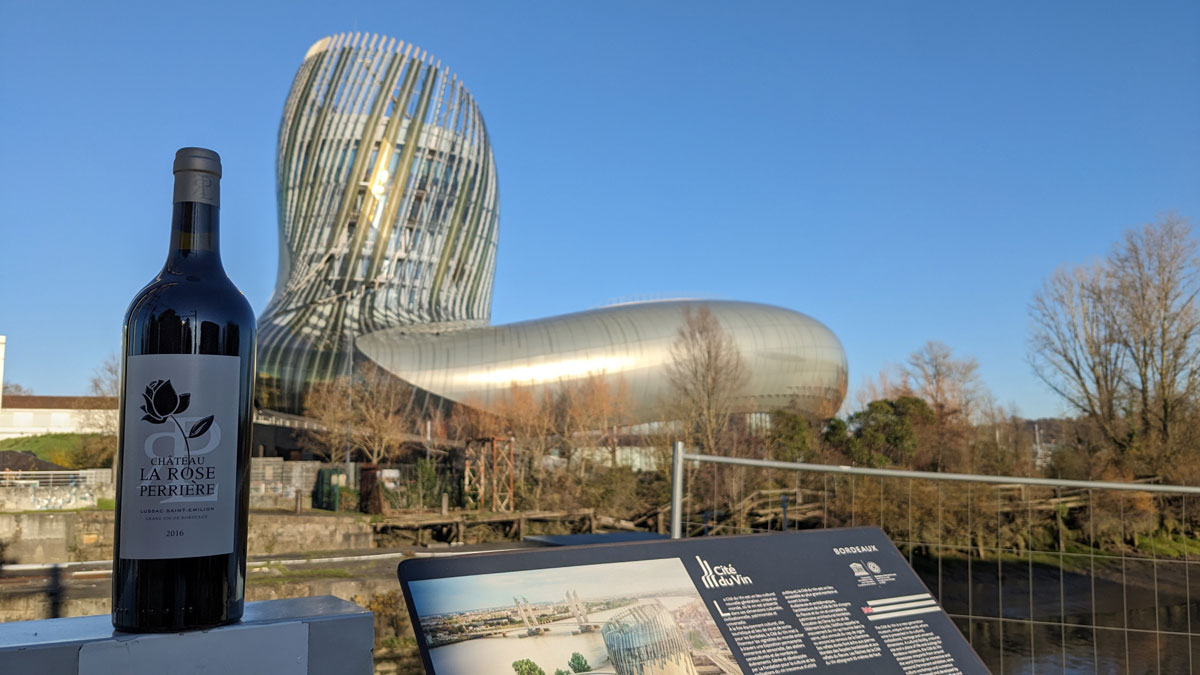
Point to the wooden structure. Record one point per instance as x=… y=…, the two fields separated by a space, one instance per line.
x=424 y=529
x=488 y=474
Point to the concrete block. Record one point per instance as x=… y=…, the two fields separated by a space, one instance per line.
x=299 y=636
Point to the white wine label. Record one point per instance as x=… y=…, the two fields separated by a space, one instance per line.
x=179 y=456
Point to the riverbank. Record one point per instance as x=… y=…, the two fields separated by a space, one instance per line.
x=1076 y=588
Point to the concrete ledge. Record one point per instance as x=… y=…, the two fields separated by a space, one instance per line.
x=299 y=636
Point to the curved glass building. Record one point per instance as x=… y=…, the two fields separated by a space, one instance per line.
x=646 y=640
x=388 y=211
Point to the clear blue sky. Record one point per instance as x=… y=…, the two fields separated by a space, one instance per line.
x=900 y=171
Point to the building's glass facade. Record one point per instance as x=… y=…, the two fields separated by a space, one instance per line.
x=388 y=211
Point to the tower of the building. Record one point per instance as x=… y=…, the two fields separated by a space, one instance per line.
x=388 y=209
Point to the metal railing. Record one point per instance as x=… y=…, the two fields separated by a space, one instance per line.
x=1040 y=575
x=80 y=478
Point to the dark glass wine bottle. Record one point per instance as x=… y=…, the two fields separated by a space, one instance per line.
x=186 y=420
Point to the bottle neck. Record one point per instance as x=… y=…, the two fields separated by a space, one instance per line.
x=195 y=239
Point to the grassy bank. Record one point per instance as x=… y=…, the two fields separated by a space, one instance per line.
x=73 y=451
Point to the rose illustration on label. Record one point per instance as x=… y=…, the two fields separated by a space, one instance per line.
x=162 y=404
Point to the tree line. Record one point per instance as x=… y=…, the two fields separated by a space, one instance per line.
x=932 y=414
x=1117 y=339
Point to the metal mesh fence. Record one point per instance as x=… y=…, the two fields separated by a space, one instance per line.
x=72 y=478
x=1038 y=577
x=273 y=476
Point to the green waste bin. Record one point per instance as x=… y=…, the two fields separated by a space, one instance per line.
x=327 y=493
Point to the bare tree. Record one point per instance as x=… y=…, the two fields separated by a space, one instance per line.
x=953 y=400
x=16 y=389
x=532 y=421
x=949 y=385
x=1119 y=340
x=1076 y=346
x=371 y=414
x=106 y=386
x=102 y=417
x=1156 y=274
x=435 y=425
x=890 y=383
x=469 y=420
x=328 y=404
x=1003 y=442
x=707 y=375
x=594 y=409
x=382 y=405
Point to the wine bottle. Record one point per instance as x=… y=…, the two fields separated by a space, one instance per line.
x=185 y=427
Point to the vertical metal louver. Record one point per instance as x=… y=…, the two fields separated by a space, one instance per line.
x=388 y=209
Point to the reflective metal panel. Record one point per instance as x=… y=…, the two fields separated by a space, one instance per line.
x=387 y=208
x=788 y=355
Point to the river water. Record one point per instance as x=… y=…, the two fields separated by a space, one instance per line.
x=550 y=650
x=1132 y=616
x=1037 y=648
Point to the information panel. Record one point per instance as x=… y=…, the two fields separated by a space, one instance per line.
x=828 y=601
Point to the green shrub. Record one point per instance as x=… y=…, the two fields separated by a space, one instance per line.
x=527 y=667
x=348 y=499
x=578 y=663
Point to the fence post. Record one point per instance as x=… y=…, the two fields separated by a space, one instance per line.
x=677 y=491
x=783 y=501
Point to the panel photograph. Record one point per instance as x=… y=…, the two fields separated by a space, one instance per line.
x=641 y=617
